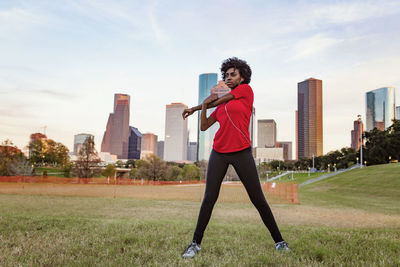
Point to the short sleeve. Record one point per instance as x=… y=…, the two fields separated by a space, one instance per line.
x=242 y=91
x=214 y=114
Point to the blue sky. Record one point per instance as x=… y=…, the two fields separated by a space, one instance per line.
x=62 y=61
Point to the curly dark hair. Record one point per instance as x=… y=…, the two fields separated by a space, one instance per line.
x=239 y=64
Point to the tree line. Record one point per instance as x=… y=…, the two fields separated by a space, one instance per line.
x=379 y=147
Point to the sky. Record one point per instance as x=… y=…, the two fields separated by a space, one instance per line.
x=61 y=62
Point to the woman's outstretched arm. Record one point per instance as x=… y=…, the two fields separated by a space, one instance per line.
x=215 y=101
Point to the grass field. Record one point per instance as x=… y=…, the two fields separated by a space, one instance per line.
x=46 y=230
x=300 y=177
x=375 y=188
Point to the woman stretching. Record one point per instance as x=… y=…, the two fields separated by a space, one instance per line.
x=231 y=146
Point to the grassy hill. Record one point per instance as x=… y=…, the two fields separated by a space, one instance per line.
x=375 y=188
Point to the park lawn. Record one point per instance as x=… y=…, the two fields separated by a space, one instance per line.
x=85 y=231
x=374 y=188
x=51 y=171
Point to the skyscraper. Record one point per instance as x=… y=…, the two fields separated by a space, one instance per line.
x=380 y=108
x=149 y=145
x=160 y=149
x=252 y=126
x=398 y=113
x=205 y=138
x=266 y=133
x=79 y=139
x=176 y=133
x=116 y=136
x=287 y=149
x=135 y=143
x=309 y=118
x=191 y=151
x=356 y=134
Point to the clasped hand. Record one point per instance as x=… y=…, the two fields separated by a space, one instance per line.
x=189 y=111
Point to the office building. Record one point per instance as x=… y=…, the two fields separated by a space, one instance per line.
x=176 y=133
x=252 y=127
x=116 y=136
x=160 y=149
x=149 y=145
x=380 y=107
x=79 y=139
x=135 y=143
x=309 y=119
x=205 y=138
x=266 y=133
x=287 y=149
x=192 y=151
x=268 y=154
x=356 y=134
x=398 y=113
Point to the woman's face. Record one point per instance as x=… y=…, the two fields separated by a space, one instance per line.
x=232 y=78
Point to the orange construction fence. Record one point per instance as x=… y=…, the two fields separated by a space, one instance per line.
x=283 y=192
x=112 y=180
x=275 y=192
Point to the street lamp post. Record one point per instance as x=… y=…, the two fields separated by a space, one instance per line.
x=361 y=138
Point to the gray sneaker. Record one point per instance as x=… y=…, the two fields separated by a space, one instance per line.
x=282 y=246
x=191 y=251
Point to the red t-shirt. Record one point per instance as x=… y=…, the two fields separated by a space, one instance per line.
x=234 y=118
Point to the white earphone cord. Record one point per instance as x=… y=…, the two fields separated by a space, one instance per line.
x=226 y=111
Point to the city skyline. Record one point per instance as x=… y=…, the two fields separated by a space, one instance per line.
x=60 y=63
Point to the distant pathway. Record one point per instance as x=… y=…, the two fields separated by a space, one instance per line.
x=327 y=175
x=278 y=176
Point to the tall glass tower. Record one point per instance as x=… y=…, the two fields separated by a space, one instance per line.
x=380 y=108
x=309 y=118
x=205 y=139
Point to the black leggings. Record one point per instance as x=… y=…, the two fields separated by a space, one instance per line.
x=245 y=167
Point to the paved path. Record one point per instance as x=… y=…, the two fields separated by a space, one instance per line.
x=327 y=175
x=278 y=176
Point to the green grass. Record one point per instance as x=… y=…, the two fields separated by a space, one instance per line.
x=375 y=188
x=86 y=231
x=50 y=171
x=299 y=178
x=77 y=231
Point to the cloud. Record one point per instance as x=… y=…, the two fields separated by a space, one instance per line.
x=346 y=12
x=313 y=45
x=159 y=34
x=48 y=92
x=18 y=19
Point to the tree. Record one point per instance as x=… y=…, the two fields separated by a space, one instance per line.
x=87 y=164
x=46 y=151
x=394 y=140
x=109 y=171
x=152 y=168
x=12 y=160
x=130 y=163
x=190 y=172
x=263 y=169
x=377 y=147
x=202 y=164
x=172 y=172
x=119 y=164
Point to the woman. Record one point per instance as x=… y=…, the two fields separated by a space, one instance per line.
x=231 y=146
